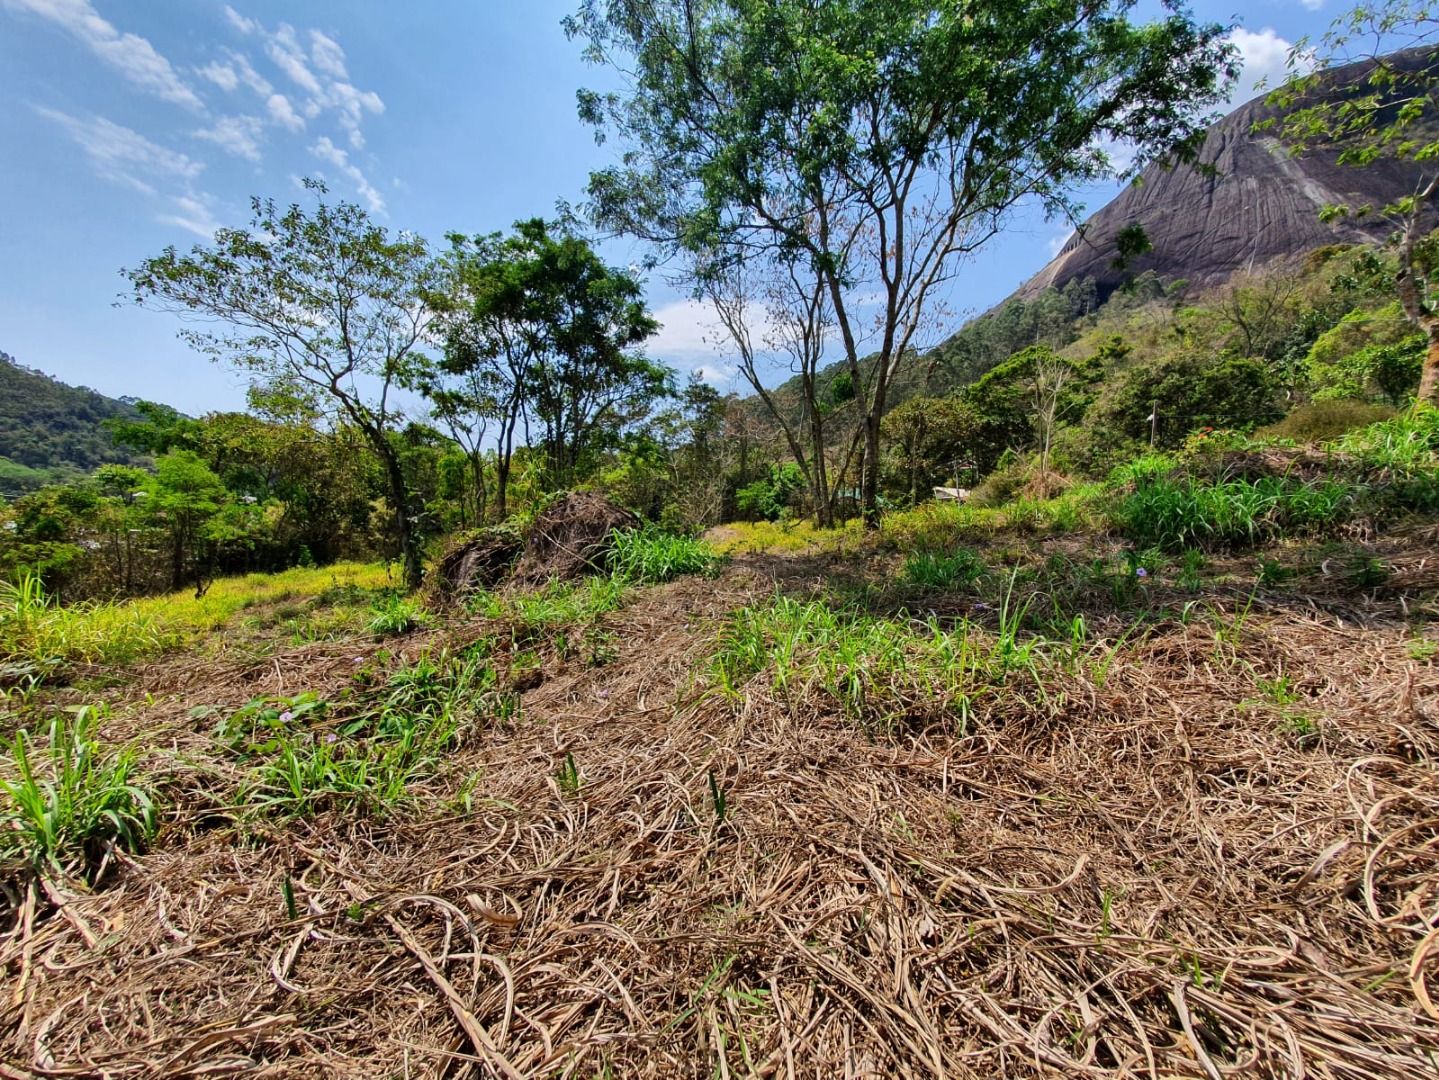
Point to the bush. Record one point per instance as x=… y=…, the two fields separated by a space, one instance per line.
x=1322 y=421
x=1178 y=513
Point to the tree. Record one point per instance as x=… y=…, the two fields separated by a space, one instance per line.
x=322 y=306
x=878 y=143
x=539 y=331
x=796 y=311
x=1388 y=113
x=933 y=436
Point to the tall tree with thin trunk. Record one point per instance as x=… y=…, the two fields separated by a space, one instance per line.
x=320 y=305
x=878 y=141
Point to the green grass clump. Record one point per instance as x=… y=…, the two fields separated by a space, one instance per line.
x=394 y=614
x=649 y=555
x=71 y=802
x=1175 y=513
x=306 y=763
x=558 y=604
x=877 y=671
x=932 y=570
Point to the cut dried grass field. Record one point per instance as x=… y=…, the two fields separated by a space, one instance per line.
x=1203 y=848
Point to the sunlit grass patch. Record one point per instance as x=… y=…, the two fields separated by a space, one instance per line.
x=35 y=631
x=558 y=604
x=782 y=537
x=875 y=670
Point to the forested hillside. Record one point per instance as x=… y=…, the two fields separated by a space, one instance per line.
x=49 y=431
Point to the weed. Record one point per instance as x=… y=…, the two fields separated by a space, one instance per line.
x=1192 y=564
x=1365 y=572
x=1279 y=690
x=1421 y=649
x=259 y=725
x=719 y=802
x=396 y=615
x=938 y=571
x=1301 y=728
x=1271 y=572
x=569 y=776
x=649 y=555
x=71 y=803
x=1175 y=514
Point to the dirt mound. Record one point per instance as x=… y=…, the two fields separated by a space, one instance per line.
x=570 y=538
x=480 y=562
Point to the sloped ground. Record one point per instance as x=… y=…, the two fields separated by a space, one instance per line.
x=1145 y=877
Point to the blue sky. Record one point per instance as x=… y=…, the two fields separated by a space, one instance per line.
x=125 y=127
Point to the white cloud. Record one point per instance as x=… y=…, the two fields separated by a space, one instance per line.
x=1311 y=5
x=715 y=374
x=327 y=55
x=126 y=157
x=192 y=213
x=222 y=75
x=1264 y=57
x=1058 y=239
x=689 y=331
x=326 y=150
x=239 y=22
x=318 y=74
x=122 y=155
x=238 y=135
x=283 y=113
x=284 y=50
x=133 y=56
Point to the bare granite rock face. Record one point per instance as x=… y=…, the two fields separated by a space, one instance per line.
x=1263 y=202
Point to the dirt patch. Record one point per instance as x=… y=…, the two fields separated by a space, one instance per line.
x=570 y=538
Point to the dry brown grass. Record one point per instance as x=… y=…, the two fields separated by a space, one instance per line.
x=1149 y=877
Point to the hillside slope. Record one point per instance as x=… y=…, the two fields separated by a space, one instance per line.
x=48 y=427
x=1261 y=202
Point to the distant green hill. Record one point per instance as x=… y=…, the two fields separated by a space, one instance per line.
x=50 y=431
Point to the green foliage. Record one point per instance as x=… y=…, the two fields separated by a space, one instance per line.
x=259 y=726
x=323 y=308
x=1175 y=513
x=1368 y=355
x=72 y=801
x=649 y=555
x=921 y=121
x=48 y=428
x=773 y=495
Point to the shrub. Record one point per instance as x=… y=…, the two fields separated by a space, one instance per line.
x=771 y=496
x=649 y=555
x=1322 y=421
x=71 y=803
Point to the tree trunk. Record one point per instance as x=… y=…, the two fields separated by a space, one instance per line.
x=869 y=485
x=502 y=484
x=410 y=555
x=1429 y=377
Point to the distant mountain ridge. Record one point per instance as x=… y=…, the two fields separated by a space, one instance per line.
x=1260 y=203
x=49 y=430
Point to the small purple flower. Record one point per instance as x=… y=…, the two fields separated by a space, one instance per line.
x=286 y=716
x=603 y=695
x=332 y=738
x=980 y=606
x=359 y=660
x=1141 y=572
